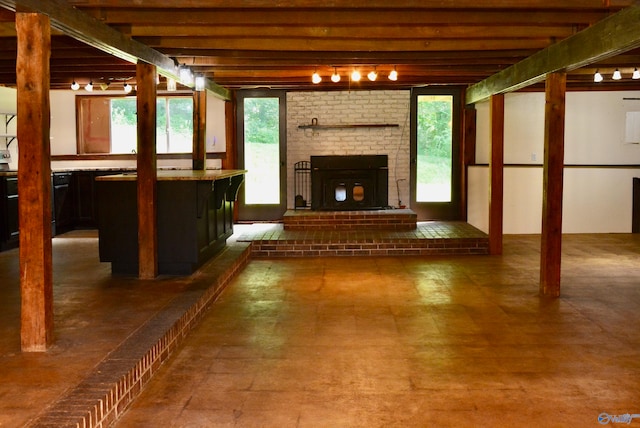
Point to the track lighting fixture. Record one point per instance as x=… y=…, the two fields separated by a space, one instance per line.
x=200 y=83
x=597 y=77
x=373 y=75
x=186 y=75
x=75 y=86
x=616 y=75
x=127 y=88
x=89 y=86
x=355 y=76
x=335 y=77
x=394 y=74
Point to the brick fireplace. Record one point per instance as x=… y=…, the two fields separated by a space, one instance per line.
x=347 y=183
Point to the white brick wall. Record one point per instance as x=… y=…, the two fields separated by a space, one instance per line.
x=347 y=108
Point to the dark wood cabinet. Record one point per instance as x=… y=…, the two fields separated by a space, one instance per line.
x=74 y=204
x=83 y=187
x=194 y=219
x=62 y=202
x=84 y=197
x=9 y=228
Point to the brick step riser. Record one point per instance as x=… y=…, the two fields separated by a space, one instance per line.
x=356 y=220
x=342 y=226
x=287 y=249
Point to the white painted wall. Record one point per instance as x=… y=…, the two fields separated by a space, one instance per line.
x=63 y=135
x=9 y=104
x=63 y=122
x=596 y=198
x=216 y=136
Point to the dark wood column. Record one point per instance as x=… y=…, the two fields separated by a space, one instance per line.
x=496 y=172
x=147 y=175
x=468 y=153
x=34 y=181
x=231 y=156
x=230 y=160
x=553 y=170
x=199 y=153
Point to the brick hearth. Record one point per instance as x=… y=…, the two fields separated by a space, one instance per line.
x=427 y=238
x=350 y=220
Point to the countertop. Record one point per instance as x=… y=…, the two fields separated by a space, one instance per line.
x=179 y=175
x=163 y=172
x=14 y=172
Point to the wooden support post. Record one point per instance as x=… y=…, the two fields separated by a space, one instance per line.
x=496 y=172
x=230 y=160
x=553 y=170
x=468 y=153
x=199 y=153
x=147 y=175
x=34 y=181
x=469 y=141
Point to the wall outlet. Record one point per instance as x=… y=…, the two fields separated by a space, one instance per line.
x=5 y=156
x=534 y=157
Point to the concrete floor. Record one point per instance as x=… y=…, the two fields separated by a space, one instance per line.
x=358 y=341
x=93 y=313
x=413 y=342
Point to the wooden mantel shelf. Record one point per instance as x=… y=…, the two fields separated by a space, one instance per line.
x=347 y=126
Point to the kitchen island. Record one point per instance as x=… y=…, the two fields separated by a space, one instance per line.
x=194 y=218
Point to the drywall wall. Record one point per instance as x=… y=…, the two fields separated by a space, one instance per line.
x=63 y=134
x=600 y=163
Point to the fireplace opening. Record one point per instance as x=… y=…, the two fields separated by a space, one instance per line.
x=357 y=182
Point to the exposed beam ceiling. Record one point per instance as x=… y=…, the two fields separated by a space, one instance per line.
x=262 y=43
x=84 y=28
x=611 y=36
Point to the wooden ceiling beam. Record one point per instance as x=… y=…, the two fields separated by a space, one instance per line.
x=347 y=17
x=356 y=31
x=94 y=33
x=611 y=36
x=352 y=45
x=197 y=56
x=350 y=4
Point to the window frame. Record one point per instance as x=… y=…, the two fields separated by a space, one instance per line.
x=80 y=151
x=452 y=210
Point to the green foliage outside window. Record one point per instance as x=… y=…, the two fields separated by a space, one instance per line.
x=434 y=126
x=174 y=131
x=261 y=117
x=434 y=146
x=262 y=150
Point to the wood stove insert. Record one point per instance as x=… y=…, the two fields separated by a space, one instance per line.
x=352 y=182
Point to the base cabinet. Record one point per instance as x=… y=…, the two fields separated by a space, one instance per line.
x=85 y=198
x=9 y=227
x=62 y=205
x=194 y=220
x=74 y=204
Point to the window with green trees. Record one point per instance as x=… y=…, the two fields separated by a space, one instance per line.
x=434 y=148
x=262 y=150
x=108 y=125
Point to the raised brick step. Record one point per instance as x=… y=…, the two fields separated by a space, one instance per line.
x=350 y=220
x=429 y=238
